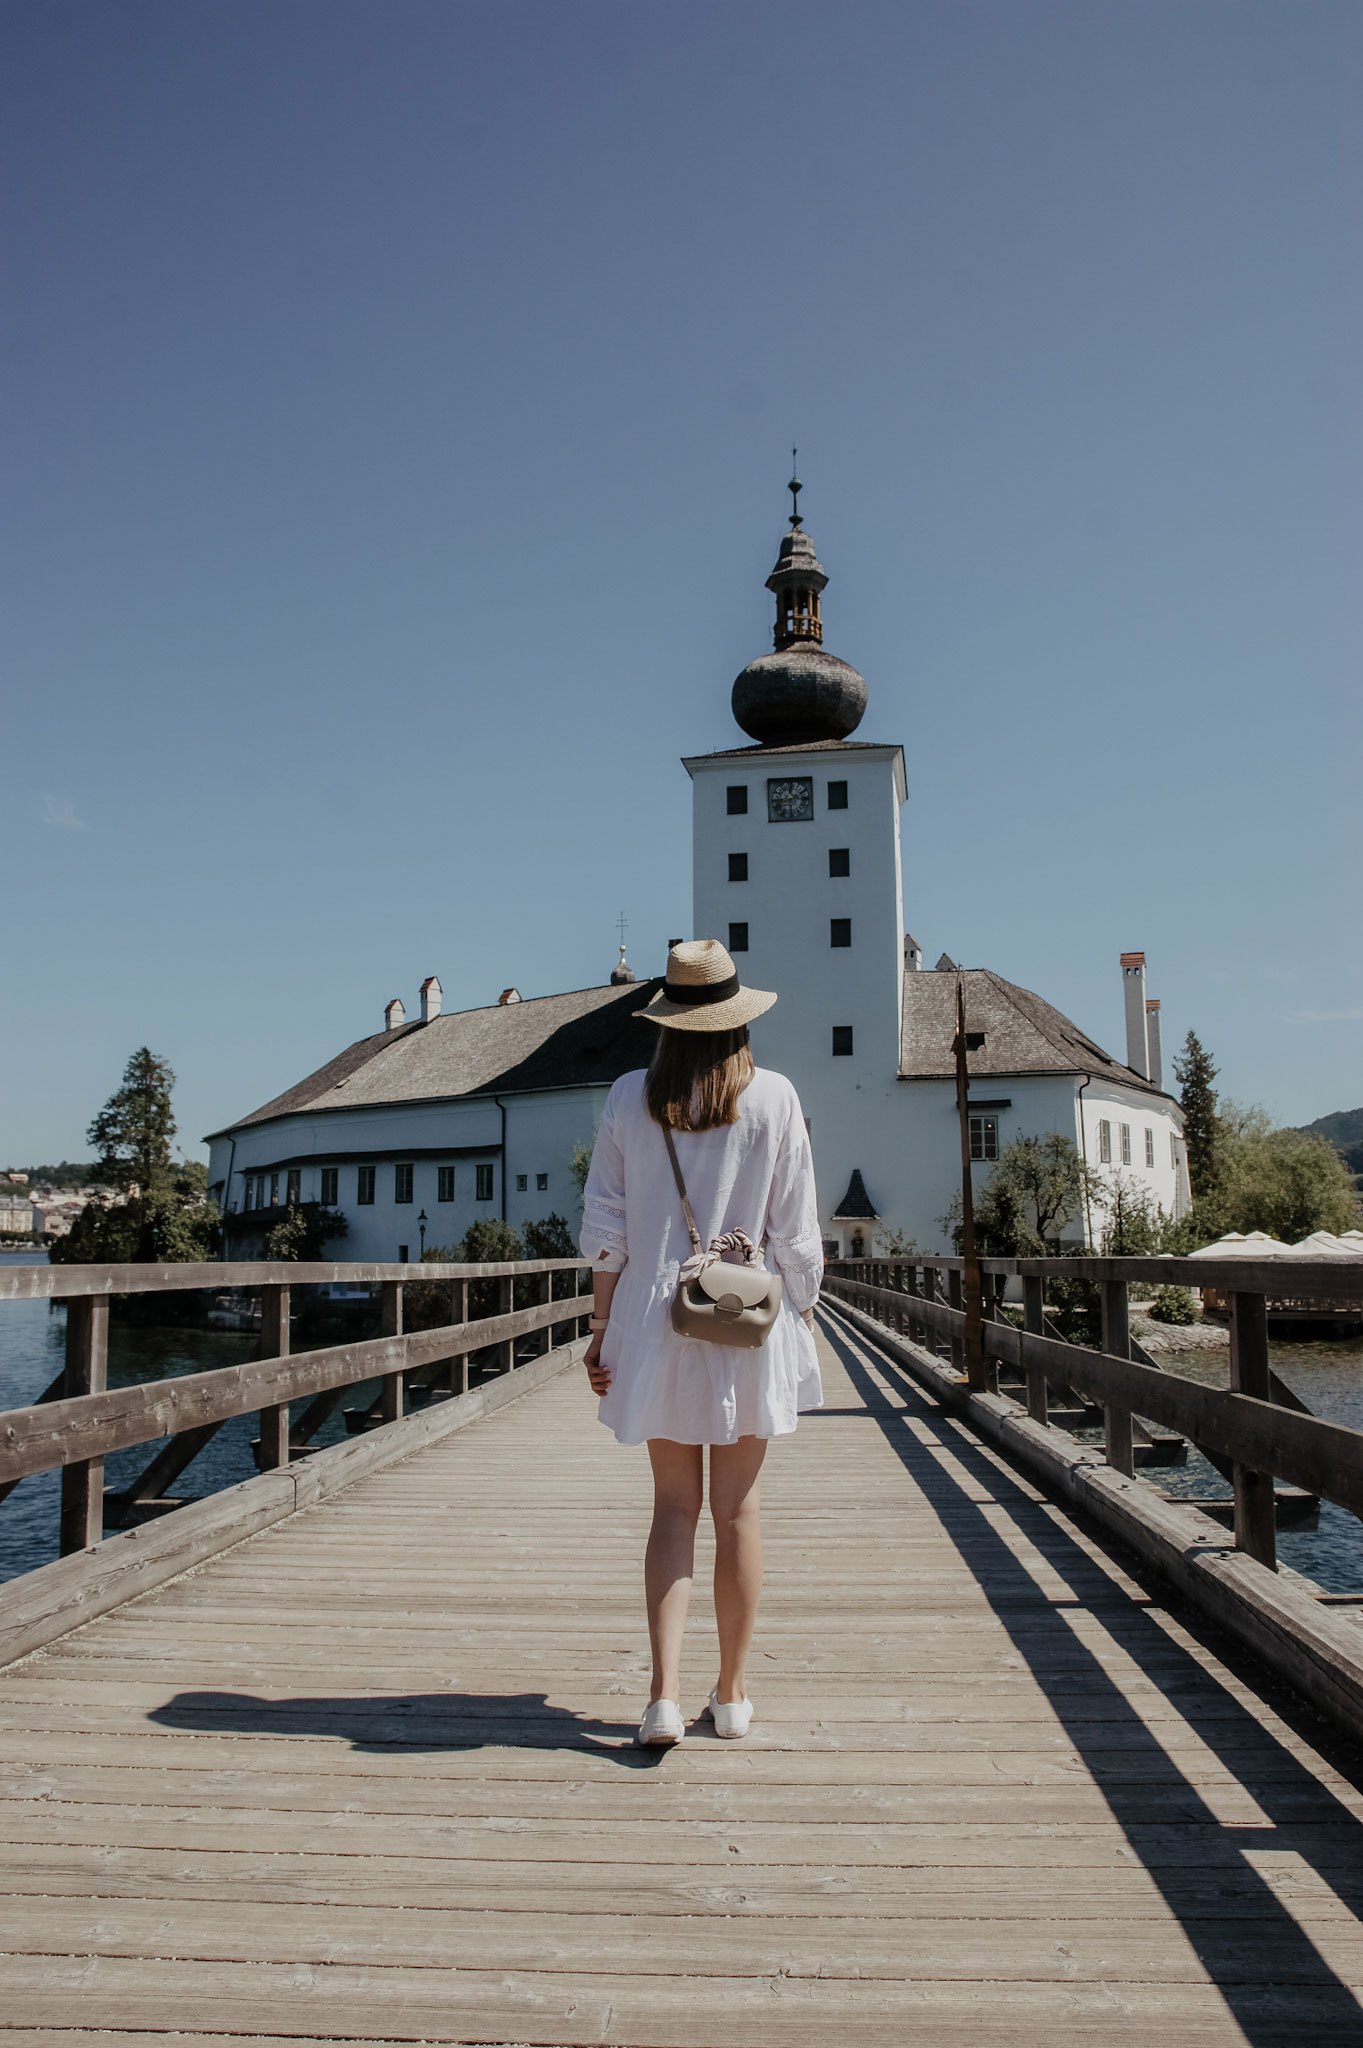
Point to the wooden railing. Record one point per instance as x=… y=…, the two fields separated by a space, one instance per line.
x=79 y=1420
x=1254 y=1431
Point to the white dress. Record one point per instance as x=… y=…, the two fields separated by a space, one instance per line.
x=756 y=1175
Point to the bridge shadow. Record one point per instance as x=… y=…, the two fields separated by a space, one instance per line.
x=380 y=1724
x=1274 y=1980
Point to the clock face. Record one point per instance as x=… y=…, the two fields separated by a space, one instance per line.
x=790 y=799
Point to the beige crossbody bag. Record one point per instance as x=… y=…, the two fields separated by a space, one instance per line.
x=719 y=1303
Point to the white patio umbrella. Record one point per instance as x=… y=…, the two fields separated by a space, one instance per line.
x=1255 y=1244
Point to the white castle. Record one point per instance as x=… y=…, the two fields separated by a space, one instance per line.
x=415 y=1132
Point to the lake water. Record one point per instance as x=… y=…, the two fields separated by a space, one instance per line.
x=1327 y=1376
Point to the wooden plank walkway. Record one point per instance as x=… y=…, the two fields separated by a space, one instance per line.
x=368 y=1777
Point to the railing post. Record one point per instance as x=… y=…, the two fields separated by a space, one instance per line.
x=87 y=1352
x=911 y=1289
x=274 y=1343
x=393 y=1385
x=1117 y=1344
x=460 y=1305
x=955 y=1297
x=506 y=1302
x=1255 y=1508
x=1034 y=1321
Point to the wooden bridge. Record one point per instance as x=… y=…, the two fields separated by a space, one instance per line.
x=345 y=1753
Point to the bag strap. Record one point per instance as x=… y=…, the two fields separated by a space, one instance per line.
x=696 y=1244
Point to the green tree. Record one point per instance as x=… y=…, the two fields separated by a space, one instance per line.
x=303 y=1233
x=1195 y=1073
x=582 y=1166
x=133 y=1130
x=550 y=1239
x=1036 y=1188
x=1133 y=1222
x=170 y=1224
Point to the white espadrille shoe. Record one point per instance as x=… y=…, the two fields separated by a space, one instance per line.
x=661 y=1726
x=731 y=1720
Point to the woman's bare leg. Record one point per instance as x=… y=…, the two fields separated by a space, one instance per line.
x=670 y=1558
x=735 y=1505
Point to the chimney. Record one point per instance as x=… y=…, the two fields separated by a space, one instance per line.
x=1133 y=988
x=394 y=1017
x=1152 y=1040
x=508 y=995
x=913 y=954
x=431 y=992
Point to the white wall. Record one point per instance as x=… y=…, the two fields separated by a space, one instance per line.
x=787 y=903
x=541 y=1131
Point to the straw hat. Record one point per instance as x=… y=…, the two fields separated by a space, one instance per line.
x=702 y=991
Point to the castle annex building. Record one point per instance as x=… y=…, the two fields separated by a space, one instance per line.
x=415 y=1132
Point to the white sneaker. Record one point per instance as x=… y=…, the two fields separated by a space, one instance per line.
x=732 y=1720
x=661 y=1726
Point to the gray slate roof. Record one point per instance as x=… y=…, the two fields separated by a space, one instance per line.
x=1023 y=1034
x=585 y=1039
x=855 y=1205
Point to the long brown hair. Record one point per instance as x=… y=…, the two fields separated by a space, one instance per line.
x=696 y=1077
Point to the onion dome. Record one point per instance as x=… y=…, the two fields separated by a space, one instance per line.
x=800 y=693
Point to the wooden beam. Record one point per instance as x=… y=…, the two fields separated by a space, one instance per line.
x=1255 y=1512
x=392 y=1391
x=275 y=1306
x=86 y=1372
x=69 y=1283
x=1034 y=1319
x=65 y=1432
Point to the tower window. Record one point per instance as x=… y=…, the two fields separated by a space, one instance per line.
x=738 y=800
x=839 y=931
x=984 y=1137
x=738 y=867
x=364 y=1193
x=837 y=796
x=1104 y=1142
x=842 y=1041
x=542 y=1183
x=444 y=1184
x=839 y=860
x=331 y=1184
x=483 y=1190
x=738 y=938
x=402 y=1183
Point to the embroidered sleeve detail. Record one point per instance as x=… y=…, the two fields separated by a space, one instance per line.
x=604 y=1238
x=799 y=1261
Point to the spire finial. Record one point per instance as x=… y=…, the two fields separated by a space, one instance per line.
x=794 y=487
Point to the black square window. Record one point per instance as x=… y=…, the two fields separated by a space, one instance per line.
x=522 y=1183
x=839 y=860
x=365 y=1191
x=738 y=938
x=839 y=931
x=738 y=867
x=402 y=1183
x=842 y=1041
x=444 y=1184
x=542 y=1183
x=483 y=1190
x=837 y=796
x=738 y=800
x=331 y=1185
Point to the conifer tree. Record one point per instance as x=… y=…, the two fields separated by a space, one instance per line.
x=134 y=1129
x=1201 y=1124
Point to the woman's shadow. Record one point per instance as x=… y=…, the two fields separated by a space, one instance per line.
x=406 y=1721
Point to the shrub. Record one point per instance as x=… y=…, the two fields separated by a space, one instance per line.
x=1173 y=1305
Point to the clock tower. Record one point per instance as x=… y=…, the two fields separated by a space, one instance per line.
x=796 y=869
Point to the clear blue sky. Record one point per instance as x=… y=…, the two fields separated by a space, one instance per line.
x=399 y=400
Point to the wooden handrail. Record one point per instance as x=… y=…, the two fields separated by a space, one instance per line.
x=68 y=1283
x=1262 y=1437
x=79 y=1421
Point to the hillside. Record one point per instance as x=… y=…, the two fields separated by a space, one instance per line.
x=1344 y=1129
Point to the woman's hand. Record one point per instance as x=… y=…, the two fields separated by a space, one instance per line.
x=597 y=1373
x=807 y=1318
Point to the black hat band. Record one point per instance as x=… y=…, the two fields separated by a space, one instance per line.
x=702 y=992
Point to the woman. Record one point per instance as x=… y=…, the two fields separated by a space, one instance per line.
x=744 y=1155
